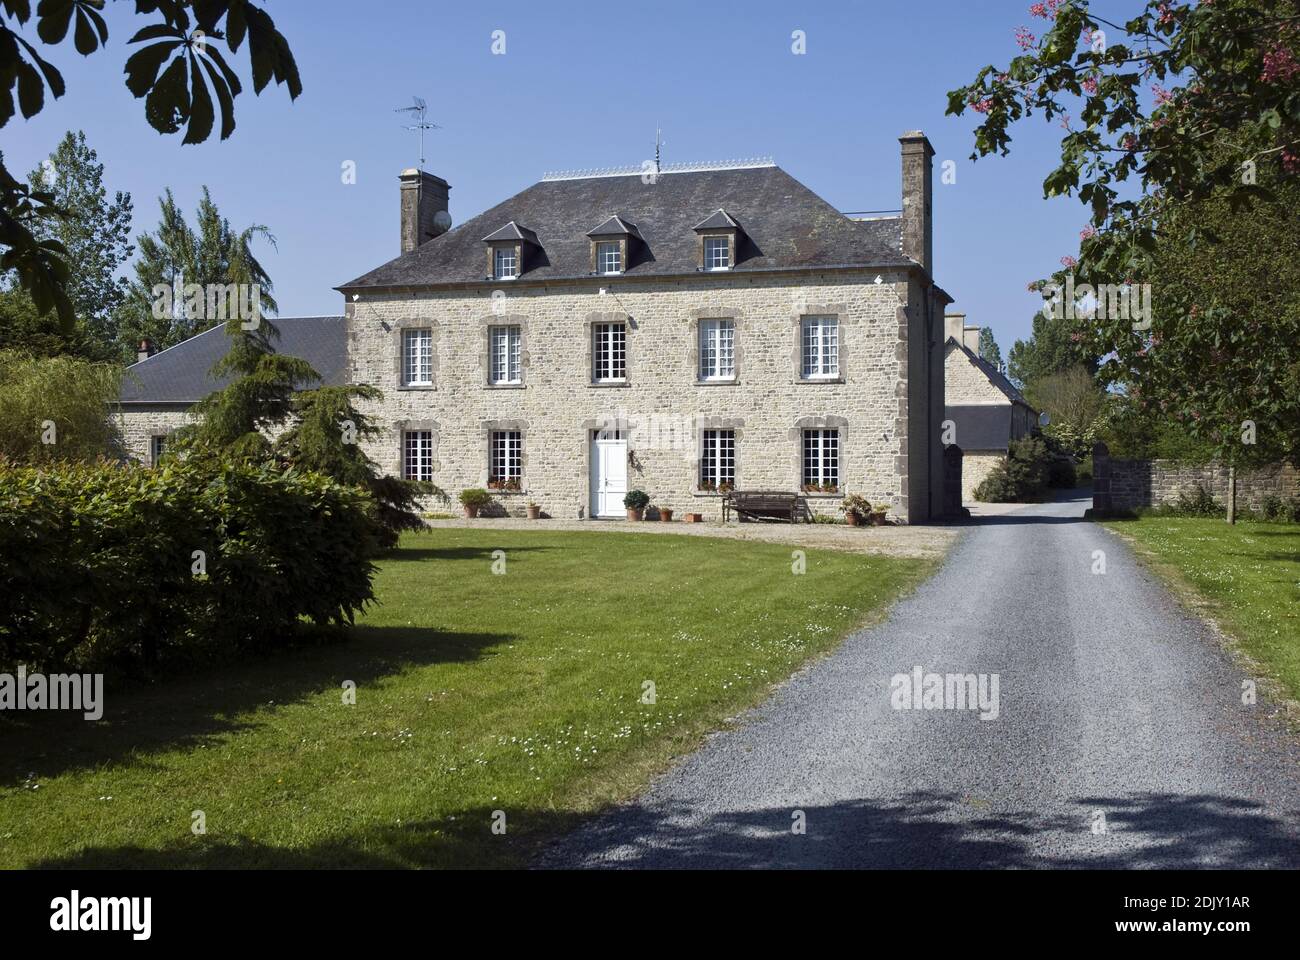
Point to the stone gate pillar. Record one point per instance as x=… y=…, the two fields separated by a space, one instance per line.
x=1101 y=493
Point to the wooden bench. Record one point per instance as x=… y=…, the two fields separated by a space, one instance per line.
x=764 y=505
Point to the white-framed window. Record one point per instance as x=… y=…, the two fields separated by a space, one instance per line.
x=717 y=349
x=609 y=257
x=417 y=358
x=505 y=265
x=821 y=460
x=417 y=455
x=503 y=349
x=718 y=460
x=157 y=445
x=821 y=347
x=609 y=352
x=717 y=253
x=506 y=460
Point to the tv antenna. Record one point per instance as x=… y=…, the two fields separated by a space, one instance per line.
x=658 y=144
x=419 y=111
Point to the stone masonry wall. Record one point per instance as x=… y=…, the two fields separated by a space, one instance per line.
x=1148 y=483
x=139 y=423
x=965 y=383
x=663 y=406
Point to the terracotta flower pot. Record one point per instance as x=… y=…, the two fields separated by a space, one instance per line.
x=878 y=519
x=665 y=515
x=470 y=511
x=853 y=519
x=695 y=518
x=635 y=514
x=534 y=511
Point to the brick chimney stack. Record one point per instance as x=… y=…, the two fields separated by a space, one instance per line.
x=145 y=351
x=424 y=208
x=918 y=189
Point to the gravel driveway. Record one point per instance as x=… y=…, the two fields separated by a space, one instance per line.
x=1120 y=738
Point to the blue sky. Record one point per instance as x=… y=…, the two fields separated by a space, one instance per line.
x=584 y=85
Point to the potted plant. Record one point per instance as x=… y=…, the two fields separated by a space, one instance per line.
x=878 y=517
x=636 y=502
x=856 y=509
x=473 y=500
x=666 y=514
x=534 y=510
x=695 y=518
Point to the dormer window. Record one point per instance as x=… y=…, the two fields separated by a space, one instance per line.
x=510 y=250
x=612 y=246
x=505 y=263
x=717 y=253
x=720 y=237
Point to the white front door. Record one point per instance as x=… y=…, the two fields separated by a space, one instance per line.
x=608 y=474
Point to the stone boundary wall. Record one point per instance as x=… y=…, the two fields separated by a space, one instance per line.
x=1128 y=484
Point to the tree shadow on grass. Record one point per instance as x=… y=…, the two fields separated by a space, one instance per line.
x=185 y=712
x=922 y=830
x=422 y=554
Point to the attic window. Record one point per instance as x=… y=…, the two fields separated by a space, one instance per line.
x=717 y=253
x=609 y=257
x=505 y=265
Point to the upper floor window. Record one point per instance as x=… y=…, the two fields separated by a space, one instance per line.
x=821 y=347
x=821 y=461
x=506 y=460
x=417 y=358
x=417 y=455
x=717 y=253
x=609 y=257
x=505 y=264
x=609 y=352
x=504 y=355
x=718 y=460
x=717 y=349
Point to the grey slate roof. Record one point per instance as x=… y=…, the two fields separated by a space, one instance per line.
x=615 y=226
x=787 y=226
x=181 y=374
x=981 y=426
x=511 y=231
x=996 y=377
x=721 y=220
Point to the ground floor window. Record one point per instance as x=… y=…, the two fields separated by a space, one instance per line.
x=821 y=461
x=506 y=460
x=157 y=444
x=417 y=458
x=718 y=460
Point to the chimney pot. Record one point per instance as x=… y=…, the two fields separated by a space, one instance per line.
x=145 y=350
x=424 y=208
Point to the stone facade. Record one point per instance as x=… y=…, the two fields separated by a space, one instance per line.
x=140 y=423
x=975 y=467
x=966 y=383
x=1129 y=484
x=886 y=402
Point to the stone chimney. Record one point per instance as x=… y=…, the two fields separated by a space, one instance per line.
x=953 y=325
x=971 y=338
x=918 y=188
x=146 y=350
x=424 y=208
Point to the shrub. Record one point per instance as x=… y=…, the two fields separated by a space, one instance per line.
x=1275 y=509
x=1021 y=475
x=636 y=500
x=99 y=564
x=74 y=395
x=856 y=503
x=1083 y=472
x=475 y=497
x=1061 y=474
x=1198 y=503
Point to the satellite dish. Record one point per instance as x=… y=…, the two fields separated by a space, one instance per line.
x=442 y=220
x=1044 y=418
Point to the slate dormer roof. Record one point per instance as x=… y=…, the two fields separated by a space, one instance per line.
x=615 y=226
x=512 y=231
x=788 y=226
x=721 y=220
x=181 y=374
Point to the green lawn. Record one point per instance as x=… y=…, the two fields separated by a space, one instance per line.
x=474 y=693
x=1247 y=577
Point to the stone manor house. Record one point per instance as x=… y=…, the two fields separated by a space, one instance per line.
x=685 y=332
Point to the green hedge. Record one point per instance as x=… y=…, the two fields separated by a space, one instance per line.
x=98 y=565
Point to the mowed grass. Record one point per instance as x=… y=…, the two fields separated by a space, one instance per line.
x=475 y=693
x=1247 y=578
